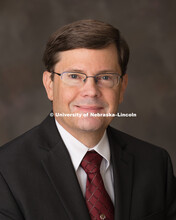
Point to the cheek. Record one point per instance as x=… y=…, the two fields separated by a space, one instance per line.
x=113 y=99
x=64 y=96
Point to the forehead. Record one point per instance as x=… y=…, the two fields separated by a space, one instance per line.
x=85 y=59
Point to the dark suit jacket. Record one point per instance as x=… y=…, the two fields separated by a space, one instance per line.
x=38 y=181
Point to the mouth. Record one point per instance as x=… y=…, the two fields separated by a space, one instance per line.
x=89 y=108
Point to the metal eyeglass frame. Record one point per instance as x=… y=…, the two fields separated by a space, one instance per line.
x=60 y=74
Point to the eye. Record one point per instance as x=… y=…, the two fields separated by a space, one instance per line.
x=74 y=75
x=106 y=77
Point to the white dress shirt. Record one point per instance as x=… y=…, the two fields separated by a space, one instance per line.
x=77 y=151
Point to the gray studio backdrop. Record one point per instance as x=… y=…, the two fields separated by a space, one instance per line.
x=149 y=28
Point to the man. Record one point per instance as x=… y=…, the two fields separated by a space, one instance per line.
x=74 y=165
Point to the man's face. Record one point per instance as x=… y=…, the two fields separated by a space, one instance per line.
x=88 y=98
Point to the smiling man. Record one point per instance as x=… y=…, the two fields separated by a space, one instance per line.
x=80 y=168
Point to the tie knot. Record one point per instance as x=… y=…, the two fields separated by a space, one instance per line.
x=91 y=162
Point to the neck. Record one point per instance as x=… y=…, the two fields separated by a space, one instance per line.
x=89 y=138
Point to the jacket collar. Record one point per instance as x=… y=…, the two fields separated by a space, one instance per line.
x=122 y=163
x=61 y=173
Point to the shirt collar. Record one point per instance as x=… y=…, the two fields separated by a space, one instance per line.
x=77 y=150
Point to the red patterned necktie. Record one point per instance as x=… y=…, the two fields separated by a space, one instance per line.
x=97 y=199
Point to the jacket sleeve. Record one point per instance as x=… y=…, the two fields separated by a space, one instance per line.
x=9 y=209
x=171 y=191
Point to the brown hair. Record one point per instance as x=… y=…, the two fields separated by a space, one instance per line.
x=90 y=34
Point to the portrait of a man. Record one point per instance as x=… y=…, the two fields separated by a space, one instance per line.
x=74 y=165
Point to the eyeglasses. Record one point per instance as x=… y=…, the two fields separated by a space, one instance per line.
x=107 y=80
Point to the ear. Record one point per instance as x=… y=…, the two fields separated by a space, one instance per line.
x=123 y=87
x=48 y=84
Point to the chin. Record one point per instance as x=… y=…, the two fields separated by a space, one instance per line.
x=90 y=124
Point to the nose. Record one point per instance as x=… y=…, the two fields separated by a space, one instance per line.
x=90 y=88
x=93 y=77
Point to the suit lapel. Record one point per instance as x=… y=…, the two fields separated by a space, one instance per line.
x=61 y=173
x=123 y=172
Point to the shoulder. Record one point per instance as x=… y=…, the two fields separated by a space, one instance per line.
x=136 y=147
x=28 y=145
x=17 y=149
x=149 y=161
x=18 y=141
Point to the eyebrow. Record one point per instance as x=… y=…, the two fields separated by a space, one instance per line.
x=82 y=71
